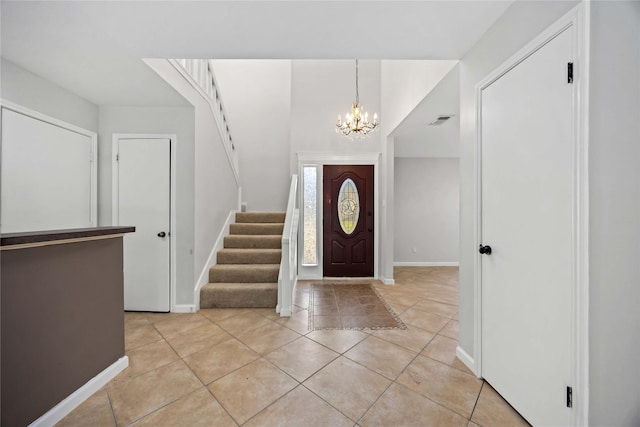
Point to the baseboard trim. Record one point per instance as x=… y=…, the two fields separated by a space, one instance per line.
x=75 y=399
x=388 y=281
x=203 y=279
x=426 y=264
x=467 y=360
x=184 y=308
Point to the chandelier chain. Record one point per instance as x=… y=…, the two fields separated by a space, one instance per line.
x=357 y=94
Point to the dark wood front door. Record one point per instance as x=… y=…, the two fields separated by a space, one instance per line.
x=348 y=220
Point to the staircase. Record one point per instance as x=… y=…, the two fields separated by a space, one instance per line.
x=246 y=274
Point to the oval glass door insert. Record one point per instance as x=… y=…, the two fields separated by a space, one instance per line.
x=348 y=206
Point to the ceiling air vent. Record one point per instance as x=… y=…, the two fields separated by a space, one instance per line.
x=440 y=120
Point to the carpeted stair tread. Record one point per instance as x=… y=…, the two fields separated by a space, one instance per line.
x=227 y=295
x=249 y=256
x=253 y=241
x=244 y=217
x=257 y=228
x=244 y=273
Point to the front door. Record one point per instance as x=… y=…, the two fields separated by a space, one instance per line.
x=527 y=213
x=143 y=201
x=348 y=220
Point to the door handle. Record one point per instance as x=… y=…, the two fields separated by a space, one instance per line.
x=484 y=250
x=162 y=234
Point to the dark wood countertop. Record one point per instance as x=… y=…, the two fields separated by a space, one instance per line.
x=30 y=237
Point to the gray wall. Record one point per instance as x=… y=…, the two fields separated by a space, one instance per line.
x=156 y=120
x=426 y=207
x=614 y=179
x=29 y=90
x=523 y=21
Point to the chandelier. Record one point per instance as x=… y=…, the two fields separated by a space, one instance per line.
x=356 y=122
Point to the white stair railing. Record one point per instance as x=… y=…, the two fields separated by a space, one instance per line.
x=288 y=275
x=199 y=73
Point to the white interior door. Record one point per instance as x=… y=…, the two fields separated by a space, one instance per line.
x=143 y=200
x=527 y=180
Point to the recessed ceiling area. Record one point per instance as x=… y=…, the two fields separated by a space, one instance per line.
x=415 y=137
x=95 y=48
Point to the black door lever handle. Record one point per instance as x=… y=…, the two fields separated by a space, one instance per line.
x=484 y=250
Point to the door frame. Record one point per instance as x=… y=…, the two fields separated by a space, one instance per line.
x=578 y=18
x=320 y=160
x=116 y=138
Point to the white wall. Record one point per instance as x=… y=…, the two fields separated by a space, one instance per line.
x=426 y=208
x=159 y=120
x=257 y=99
x=523 y=21
x=29 y=90
x=215 y=187
x=404 y=84
x=614 y=155
x=320 y=91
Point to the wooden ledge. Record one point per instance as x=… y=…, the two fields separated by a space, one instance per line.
x=54 y=237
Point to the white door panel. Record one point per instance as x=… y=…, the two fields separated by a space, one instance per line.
x=144 y=202
x=527 y=178
x=47 y=176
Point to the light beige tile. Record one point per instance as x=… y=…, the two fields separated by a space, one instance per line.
x=215 y=314
x=443 y=384
x=139 y=396
x=197 y=339
x=298 y=321
x=381 y=356
x=139 y=336
x=297 y=408
x=398 y=308
x=422 y=320
x=443 y=349
x=338 y=341
x=411 y=338
x=95 y=412
x=146 y=358
x=250 y=389
x=399 y=299
x=238 y=325
x=268 y=337
x=196 y=409
x=161 y=317
x=438 y=308
x=214 y=362
x=400 y=406
x=457 y=316
x=134 y=319
x=181 y=324
x=301 y=358
x=450 y=330
x=347 y=386
x=493 y=411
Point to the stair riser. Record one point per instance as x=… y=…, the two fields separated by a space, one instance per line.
x=257 y=229
x=253 y=242
x=245 y=217
x=240 y=258
x=243 y=276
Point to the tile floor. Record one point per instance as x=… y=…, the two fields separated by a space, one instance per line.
x=229 y=367
x=345 y=305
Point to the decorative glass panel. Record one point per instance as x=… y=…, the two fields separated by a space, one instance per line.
x=309 y=176
x=348 y=206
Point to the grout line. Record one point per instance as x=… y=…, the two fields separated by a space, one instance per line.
x=477 y=399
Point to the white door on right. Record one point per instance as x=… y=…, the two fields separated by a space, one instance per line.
x=526 y=200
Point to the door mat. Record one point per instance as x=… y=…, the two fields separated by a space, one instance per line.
x=349 y=305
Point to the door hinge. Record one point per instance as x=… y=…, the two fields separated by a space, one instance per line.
x=118 y=157
x=569 y=397
x=570 y=72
